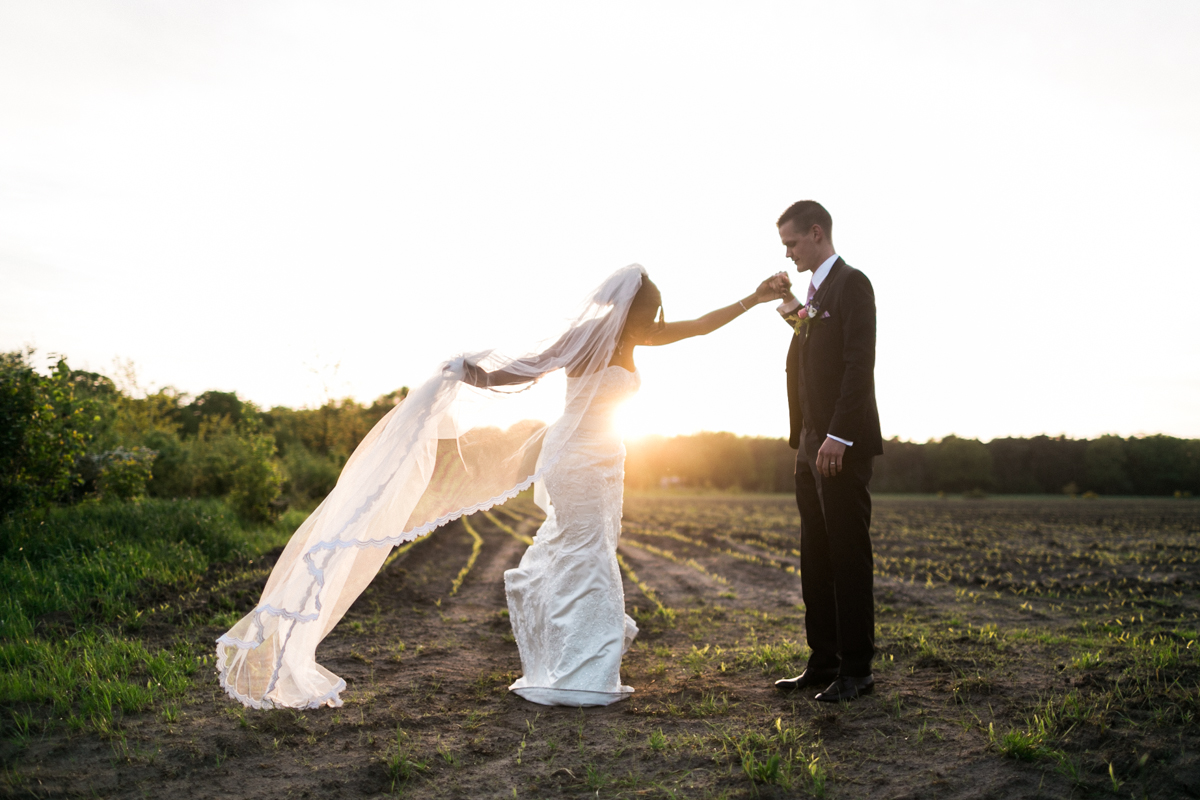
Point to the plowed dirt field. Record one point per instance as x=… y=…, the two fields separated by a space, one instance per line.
x=1027 y=648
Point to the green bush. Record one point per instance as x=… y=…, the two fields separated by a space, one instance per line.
x=173 y=474
x=222 y=460
x=257 y=479
x=238 y=462
x=309 y=476
x=123 y=474
x=44 y=432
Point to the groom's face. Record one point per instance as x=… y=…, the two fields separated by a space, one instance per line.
x=801 y=246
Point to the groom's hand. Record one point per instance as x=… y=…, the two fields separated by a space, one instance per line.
x=766 y=291
x=781 y=282
x=830 y=457
x=776 y=287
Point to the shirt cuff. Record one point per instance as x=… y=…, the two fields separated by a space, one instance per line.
x=843 y=441
x=788 y=306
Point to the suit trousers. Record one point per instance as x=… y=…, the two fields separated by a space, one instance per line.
x=837 y=571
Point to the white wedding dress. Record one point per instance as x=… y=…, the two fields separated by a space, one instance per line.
x=565 y=600
x=472 y=436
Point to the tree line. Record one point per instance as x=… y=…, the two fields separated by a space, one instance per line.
x=72 y=436
x=1108 y=465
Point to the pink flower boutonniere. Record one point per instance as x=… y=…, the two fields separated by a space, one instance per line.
x=797 y=320
x=806 y=317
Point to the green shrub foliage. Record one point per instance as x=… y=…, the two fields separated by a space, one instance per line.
x=122 y=474
x=74 y=435
x=310 y=476
x=45 y=429
x=71 y=435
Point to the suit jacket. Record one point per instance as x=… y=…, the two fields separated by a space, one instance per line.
x=831 y=365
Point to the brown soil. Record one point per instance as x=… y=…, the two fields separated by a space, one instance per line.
x=427 y=673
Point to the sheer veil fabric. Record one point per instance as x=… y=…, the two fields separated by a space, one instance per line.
x=450 y=448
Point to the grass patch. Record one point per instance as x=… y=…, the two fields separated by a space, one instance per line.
x=75 y=580
x=1027 y=745
x=400 y=762
x=773 y=658
x=90 y=562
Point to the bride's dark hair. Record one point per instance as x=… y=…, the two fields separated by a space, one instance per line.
x=646 y=305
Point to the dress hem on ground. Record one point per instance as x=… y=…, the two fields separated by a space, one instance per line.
x=575 y=698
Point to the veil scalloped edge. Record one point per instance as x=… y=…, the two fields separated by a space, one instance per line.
x=333 y=697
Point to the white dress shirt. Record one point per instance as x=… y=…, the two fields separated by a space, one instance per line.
x=790 y=306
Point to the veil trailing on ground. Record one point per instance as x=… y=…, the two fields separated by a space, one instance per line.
x=453 y=447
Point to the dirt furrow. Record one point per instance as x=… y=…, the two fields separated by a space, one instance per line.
x=677 y=585
x=484 y=586
x=754 y=585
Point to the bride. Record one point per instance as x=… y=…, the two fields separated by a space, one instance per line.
x=446 y=452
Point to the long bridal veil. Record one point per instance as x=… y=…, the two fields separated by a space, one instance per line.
x=451 y=448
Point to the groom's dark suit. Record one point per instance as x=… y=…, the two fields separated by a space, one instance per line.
x=831 y=390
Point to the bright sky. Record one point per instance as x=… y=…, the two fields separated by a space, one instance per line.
x=239 y=195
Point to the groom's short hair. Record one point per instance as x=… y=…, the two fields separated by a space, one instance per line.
x=806 y=213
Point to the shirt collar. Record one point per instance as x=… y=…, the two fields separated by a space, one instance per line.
x=823 y=270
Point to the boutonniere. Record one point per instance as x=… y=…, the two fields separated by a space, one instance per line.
x=805 y=317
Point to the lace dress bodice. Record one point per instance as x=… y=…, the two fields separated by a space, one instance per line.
x=616 y=384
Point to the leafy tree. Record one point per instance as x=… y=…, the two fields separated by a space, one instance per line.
x=44 y=432
x=1012 y=466
x=901 y=468
x=334 y=429
x=1162 y=465
x=209 y=406
x=1057 y=462
x=1105 y=466
x=959 y=465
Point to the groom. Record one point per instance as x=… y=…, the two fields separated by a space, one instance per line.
x=835 y=426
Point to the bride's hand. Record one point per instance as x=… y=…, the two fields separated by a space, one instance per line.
x=776 y=287
x=783 y=284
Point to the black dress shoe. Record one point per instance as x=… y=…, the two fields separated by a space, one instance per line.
x=805 y=679
x=847 y=688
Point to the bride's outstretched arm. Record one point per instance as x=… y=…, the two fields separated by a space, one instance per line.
x=768 y=290
x=572 y=349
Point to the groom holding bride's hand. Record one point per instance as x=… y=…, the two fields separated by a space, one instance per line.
x=835 y=427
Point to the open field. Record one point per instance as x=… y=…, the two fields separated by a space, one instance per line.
x=1028 y=647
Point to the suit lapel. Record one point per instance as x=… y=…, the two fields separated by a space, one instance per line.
x=836 y=273
x=834 y=277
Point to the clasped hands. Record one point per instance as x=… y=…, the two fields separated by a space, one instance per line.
x=776 y=287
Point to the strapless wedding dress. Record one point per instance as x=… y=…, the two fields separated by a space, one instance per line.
x=565 y=600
